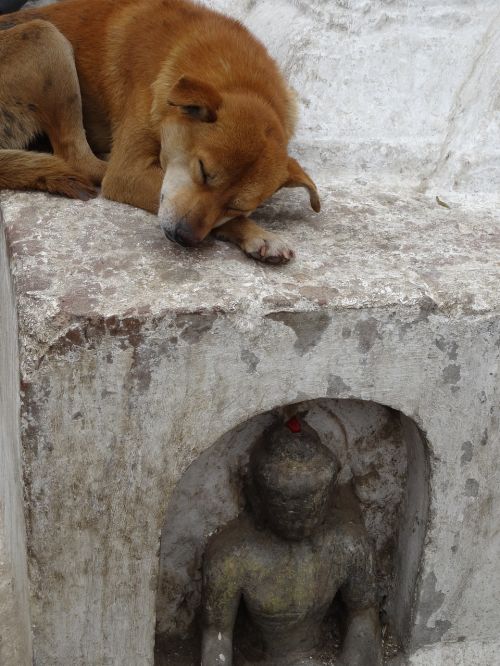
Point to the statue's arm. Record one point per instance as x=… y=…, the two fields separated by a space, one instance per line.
x=362 y=644
x=221 y=597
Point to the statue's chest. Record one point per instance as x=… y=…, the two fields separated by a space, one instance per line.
x=292 y=582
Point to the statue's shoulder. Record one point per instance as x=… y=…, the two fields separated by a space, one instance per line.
x=231 y=540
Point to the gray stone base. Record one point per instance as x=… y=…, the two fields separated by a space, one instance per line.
x=136 y=356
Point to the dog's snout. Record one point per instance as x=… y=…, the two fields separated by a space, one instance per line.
x=183 y=234
x=168 y=233
x=180 y=232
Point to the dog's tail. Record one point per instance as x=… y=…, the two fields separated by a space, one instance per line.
x=28 y=170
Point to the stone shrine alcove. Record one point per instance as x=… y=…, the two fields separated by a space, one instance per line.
x=383 y=458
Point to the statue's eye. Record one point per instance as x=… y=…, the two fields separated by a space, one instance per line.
x=204 y=174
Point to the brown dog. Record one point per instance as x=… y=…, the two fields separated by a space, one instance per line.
x=194 y=112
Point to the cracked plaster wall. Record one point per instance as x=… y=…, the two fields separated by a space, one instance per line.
x=101 y=479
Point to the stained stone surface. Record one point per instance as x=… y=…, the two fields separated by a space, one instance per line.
x=367 y=249
x=137 y=355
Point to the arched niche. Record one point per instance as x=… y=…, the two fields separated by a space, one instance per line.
x=383 y=454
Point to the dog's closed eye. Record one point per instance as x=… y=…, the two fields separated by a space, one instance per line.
x=203 y=172
x=240 y=211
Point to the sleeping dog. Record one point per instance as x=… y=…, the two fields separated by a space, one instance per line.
x=192 y=110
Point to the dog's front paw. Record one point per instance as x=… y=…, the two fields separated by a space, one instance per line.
x=72 y=184
x=268 y=248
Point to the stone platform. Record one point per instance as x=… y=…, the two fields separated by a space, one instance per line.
x=132 y=357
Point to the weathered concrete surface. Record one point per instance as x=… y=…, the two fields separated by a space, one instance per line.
x=459 y=654
x=137 y=355
x=15 y=629
x=414 y=518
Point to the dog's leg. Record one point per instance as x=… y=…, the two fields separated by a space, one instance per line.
x=40 y=93
x=134 y=175
x=61 y=112
x=255 y=241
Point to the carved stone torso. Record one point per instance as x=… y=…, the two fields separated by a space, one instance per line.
x=279 y=566
x=288 y=586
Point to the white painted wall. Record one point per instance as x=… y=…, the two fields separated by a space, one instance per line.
x=137 y=356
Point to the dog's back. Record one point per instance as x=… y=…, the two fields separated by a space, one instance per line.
x=120 y=47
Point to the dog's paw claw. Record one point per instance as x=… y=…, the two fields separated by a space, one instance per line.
x=270 y=250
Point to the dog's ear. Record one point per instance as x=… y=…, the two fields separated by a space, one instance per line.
x=195 y=99
x=297 y=177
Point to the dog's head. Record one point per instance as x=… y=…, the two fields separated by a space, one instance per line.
x=223 y=155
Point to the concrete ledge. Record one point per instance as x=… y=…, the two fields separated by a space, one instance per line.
x=136 y=356
x=366 y=248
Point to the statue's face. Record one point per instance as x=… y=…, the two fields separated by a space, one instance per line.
x=295 y=505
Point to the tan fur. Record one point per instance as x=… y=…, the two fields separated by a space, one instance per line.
x=188 y=103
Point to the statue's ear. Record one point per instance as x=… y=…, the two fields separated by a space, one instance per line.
x=297 y=177
x=195 y=99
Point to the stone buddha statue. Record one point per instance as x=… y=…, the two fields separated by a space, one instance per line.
x=286 y=559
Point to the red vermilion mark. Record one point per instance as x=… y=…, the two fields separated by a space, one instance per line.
x=294 y=425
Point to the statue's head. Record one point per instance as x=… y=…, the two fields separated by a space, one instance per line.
x=291 y=477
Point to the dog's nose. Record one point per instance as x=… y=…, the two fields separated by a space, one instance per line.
x=168 y=233
x=184 y=235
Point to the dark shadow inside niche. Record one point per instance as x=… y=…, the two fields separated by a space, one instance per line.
x=383 y=459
